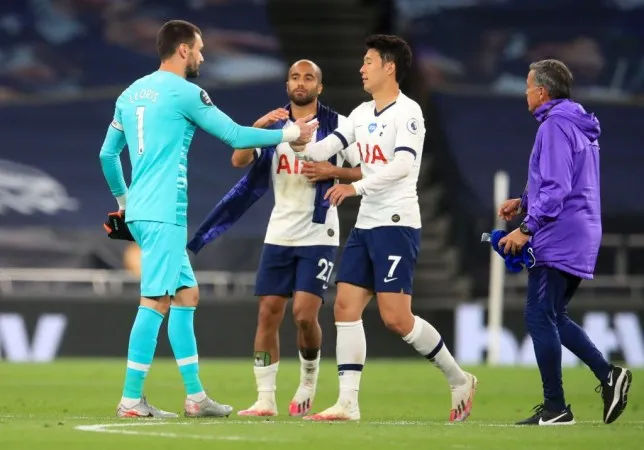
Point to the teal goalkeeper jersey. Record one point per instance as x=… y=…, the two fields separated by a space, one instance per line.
x=156 y=116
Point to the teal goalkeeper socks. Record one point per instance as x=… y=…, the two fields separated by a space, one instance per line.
x=184 y=345
x=143 y=343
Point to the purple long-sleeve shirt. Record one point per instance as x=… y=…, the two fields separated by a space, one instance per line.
x=563 y=197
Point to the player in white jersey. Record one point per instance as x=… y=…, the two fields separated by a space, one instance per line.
x=299 y=248
x=381 y=251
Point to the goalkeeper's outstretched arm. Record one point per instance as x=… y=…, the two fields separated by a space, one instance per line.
x=215 y=122
x=244 y=156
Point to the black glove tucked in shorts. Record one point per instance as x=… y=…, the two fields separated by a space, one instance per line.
x=116 y=227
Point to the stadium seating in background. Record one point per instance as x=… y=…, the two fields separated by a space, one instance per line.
x=52 y=48
x=490 y=43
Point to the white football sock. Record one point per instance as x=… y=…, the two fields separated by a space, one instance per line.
x=265 y=378
x=198 y=397
x=351 y=353
x=428 y=342
x=129 y=402
x=309 y=370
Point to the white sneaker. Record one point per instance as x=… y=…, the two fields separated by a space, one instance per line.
x=206 y=408
x=302 y=401
x=462 y=398
x=340 y=411
x=261 y=408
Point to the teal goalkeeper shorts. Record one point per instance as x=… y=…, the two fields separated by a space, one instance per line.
x=165 y=266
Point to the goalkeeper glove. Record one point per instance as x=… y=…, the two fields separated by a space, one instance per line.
x=116 y=227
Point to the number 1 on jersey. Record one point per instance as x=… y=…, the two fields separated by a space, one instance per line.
x=140 y=110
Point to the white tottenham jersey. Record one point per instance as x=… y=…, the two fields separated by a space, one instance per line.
x=388 y=188
x=291 y=223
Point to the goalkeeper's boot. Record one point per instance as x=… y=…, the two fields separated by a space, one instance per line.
x=462 y=398
x=143 y=409
x=206 y=408
x=302 y=401
x=261 y=408
x=343 y=410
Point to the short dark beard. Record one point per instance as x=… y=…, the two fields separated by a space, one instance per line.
x=192 y=72
x=303 y=101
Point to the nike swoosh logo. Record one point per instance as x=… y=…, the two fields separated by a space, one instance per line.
x=610 y=381
x=389 y=280
x=547 y=422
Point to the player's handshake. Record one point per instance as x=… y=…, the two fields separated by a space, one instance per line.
x=307 y=127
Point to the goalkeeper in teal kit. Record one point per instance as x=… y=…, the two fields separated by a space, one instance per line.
x=156 y=117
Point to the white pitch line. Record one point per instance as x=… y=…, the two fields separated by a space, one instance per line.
x=61 y=417
x=116 y=428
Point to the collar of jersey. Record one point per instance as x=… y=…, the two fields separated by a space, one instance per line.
x=292 y=119
x=376 y=113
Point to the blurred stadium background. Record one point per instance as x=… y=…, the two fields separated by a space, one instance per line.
x=66 y=290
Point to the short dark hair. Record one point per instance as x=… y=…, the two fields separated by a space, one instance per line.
x=174 y=33
x=316 y=68
x=554 y=76
x=392 y=49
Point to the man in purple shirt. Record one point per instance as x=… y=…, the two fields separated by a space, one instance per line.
x=563 y=223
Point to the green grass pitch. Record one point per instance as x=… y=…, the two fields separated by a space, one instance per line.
x=70 y=405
